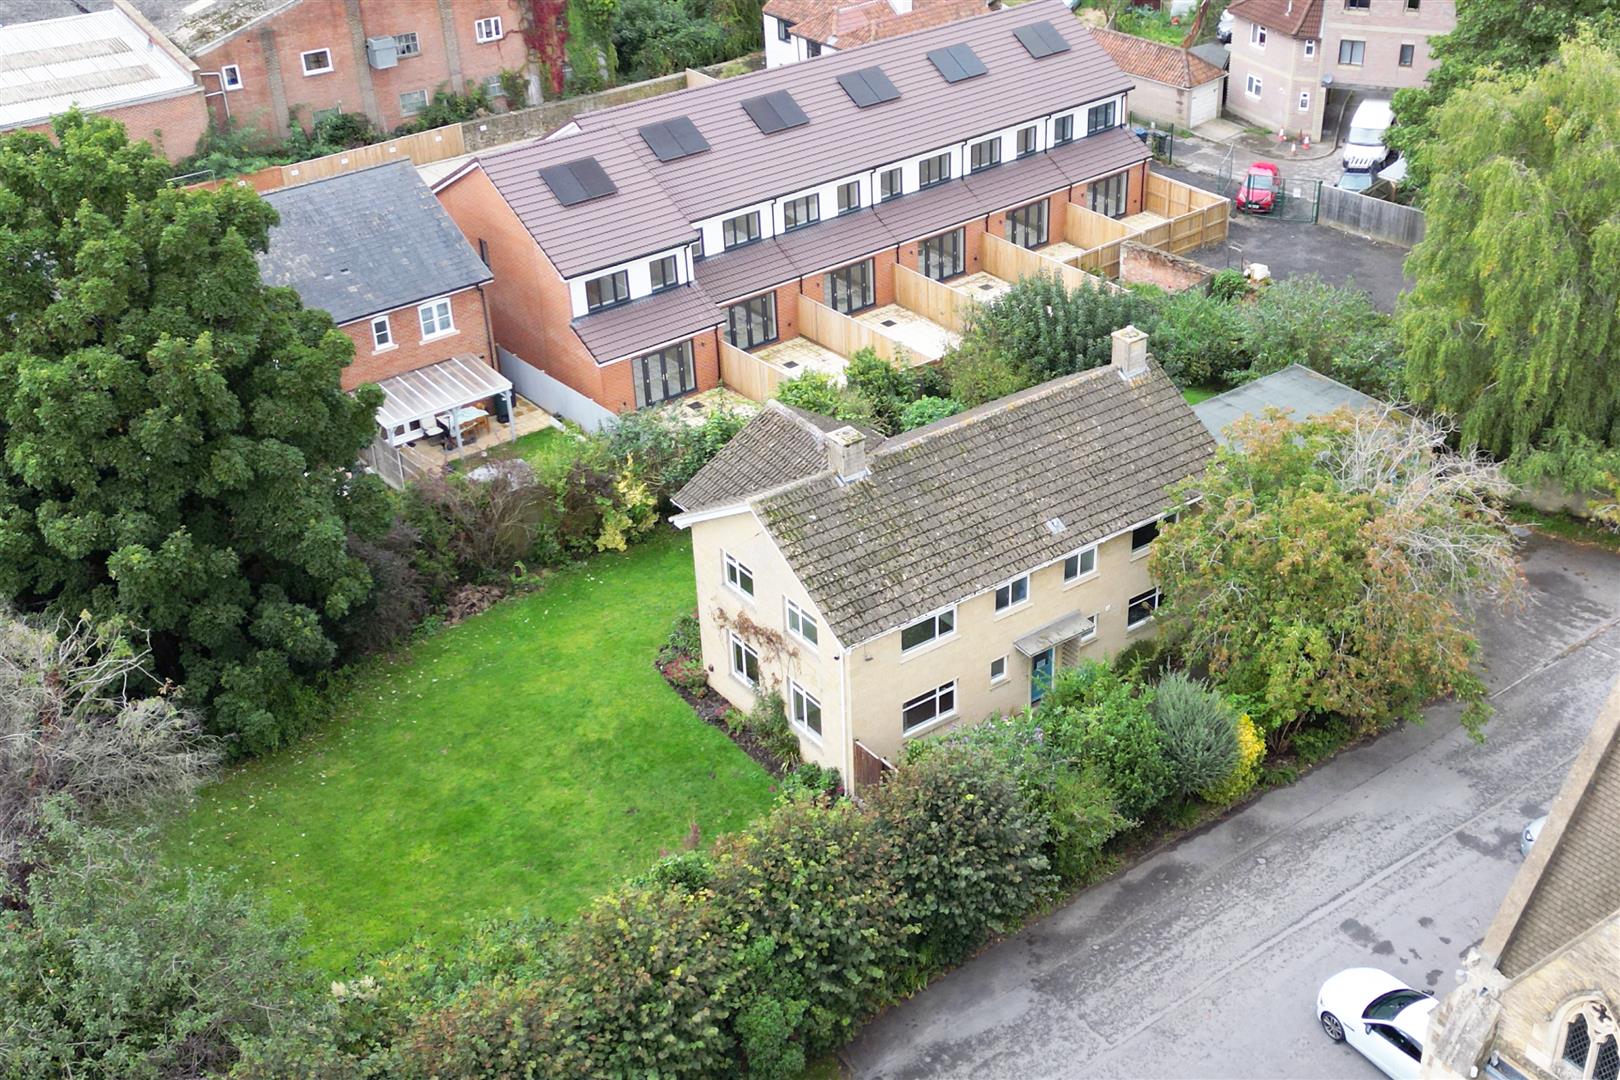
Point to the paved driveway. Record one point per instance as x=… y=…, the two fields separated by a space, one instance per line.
x=1294 y=249
x=1204 y=960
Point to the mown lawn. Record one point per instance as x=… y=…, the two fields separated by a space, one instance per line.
x=528 y=758
x=1194 y=394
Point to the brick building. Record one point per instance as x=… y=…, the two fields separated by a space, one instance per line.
x=111 y=62
x=804 y=29
x=384 y=58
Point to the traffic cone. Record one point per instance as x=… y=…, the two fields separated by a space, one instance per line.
x=1307 y=138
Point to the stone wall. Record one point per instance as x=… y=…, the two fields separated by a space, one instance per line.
x=1142 y=265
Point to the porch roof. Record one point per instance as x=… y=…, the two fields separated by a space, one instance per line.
x=438 y=388
x=1054 y=633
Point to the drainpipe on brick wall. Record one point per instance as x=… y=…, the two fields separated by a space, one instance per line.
x=280 y=123
x=220 y=93
x=452 y=45
x=362 y=63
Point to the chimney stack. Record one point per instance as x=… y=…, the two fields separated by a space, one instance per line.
x=1130 y=352
x=846 y=453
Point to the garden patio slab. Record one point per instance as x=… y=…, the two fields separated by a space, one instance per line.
x=925 y=339
x=797 y=355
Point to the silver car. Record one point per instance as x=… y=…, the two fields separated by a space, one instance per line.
x=1527 y=839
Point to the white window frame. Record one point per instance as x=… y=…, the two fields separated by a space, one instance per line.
x=797 y=614
x=405 y=110
x=1010 y=585
x=733 y=571
x=1158 y=598
x=939 y=717
x=997 y=678
x=230 y=77
x=746 y=650
x=400 y=45
x=937 y=637
x=1079 y=574
x=438 y=314
x=799 y=700
x=488 y=29
x=1257 y=35
x=382 y=342
x=1090 y=635
x=1310 y=48
x=1252 y=85
x=303 y=63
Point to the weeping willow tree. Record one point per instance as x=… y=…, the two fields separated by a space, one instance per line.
x=1513 y=327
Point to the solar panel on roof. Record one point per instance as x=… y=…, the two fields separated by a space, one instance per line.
x=1041 y=39
x=577 y=181
x=868 y=86
x=957 y=62
x=670 y=140
x=775 y=111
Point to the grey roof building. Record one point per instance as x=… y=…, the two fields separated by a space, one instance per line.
x=1299 y=390
x=365 y=242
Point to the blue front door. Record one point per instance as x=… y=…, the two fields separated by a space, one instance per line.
x=1040 y=675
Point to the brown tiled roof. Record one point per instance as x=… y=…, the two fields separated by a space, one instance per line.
x=1572 y=876
x=836 y=241
x=1099 y=155
x=1157 y=61
x=780 y=445
x=637 y=219
x=954 y=508
x=926 y=212
x=744 y=166
x=633 y=328
x=1018 y=181
x=845 y=26
x=795 y=10
x=745 y=271
x=1296 y=18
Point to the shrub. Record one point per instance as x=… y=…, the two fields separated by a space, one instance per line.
x=820 y=394
x=1199 y=339
x=925 y=410
x=1142 y=660
x=685 y=638
x=968 y=848
x=1101 y=719
x=1228 y=285
x=1200 y=733
x=488 y=525
x=767 y=722
x=666 y=451
x=1246 y=770
x=811 y=780
x=886 y=387
x=399 y=596
x=1328 y=328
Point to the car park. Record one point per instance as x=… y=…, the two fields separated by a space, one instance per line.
x=1258 y=192
x=1379 y=1016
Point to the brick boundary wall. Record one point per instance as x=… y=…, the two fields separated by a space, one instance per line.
x=1142 y=265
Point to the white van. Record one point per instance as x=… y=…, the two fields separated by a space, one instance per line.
x=1364 y=148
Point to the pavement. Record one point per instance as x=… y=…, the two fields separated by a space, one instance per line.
x=1204 y=960
x=1232 y=155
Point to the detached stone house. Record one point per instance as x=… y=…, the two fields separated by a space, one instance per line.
x=376 y=250
x=1540 y=999
x=894 y=587
x=1290 y=56
x=1173 y=86
x=805 y=29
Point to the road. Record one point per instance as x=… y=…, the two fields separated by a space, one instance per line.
x=1204 y=960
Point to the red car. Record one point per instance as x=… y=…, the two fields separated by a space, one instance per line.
x=1258 y=192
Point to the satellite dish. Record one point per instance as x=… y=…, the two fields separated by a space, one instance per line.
x=1327 y=80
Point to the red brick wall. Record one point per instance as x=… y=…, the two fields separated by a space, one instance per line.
x=815 y=285
x=972 y=248
x=324 y=24
x=410 y=351
x=172 y=124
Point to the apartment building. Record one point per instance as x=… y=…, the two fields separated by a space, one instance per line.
x=892 y=588
x=264 y=60
x=629 y=246
x=1289 y=56
x=804 y=29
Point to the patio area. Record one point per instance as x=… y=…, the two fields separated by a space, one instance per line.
x=926 y=340
x=1061 y=250
x=797 y=355
x=697 y=408
x=1142 y=222
x=983 y=287
x=430 y=455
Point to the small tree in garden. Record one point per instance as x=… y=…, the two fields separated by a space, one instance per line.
x=1330 y=567
x=1200 y=733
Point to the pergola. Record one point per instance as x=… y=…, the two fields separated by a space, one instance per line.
x=439 y=395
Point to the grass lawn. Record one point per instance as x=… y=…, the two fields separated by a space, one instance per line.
x=528 y=758
x=1195 y=394
x=540 y=449
x=1565 y=526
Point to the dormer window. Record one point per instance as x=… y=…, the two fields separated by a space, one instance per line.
x=665 y=275
x=984 y=155
x=934 y=170
x=740 y=230
x=797 y=213
x=607 y=290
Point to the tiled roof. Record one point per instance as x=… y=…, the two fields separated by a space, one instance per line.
x=745 y=271
x=951 y=509
x=836 y=241
x=1296 y=18
x=1157 y=61
x=638 y=218
x=364 y=242
x=845 y=26
x=780 y=445
x=1099 y=155
x=1016 y=182
x=634 y=328
x=926 y=212
x=744 y=166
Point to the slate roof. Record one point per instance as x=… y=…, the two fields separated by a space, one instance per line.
x=955 y=508
x=744 y=166
x=781 y=444
x=1157 y=61
x=1296 y=18
x=1302 y=391
x=634 y=328
x=366 y=242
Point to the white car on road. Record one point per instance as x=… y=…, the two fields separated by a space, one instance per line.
x=1378 y=1015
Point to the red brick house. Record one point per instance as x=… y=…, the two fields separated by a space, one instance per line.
x=627 y=247
x=377 y=251
x=383 y=58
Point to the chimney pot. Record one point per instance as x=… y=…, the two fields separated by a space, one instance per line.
x=1130 y=352
x=846 y=453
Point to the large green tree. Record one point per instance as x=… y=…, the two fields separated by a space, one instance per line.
x=174 y=445
x=1512 y=327
x=1491 y=36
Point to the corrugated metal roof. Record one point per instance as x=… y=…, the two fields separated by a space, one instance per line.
x=97 y=61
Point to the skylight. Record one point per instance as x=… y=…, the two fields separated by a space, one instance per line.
x=670 y=140
x=957 y=62
x=1041 y=39
x=868 y=86
x=775 y=111
x=577 y=181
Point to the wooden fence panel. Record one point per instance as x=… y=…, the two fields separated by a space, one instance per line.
x=1378 y=218
x=421 y=148
x=747 y=374
x=930 y=299
x=1088 y=229
x=840 y=333
x=1008 y=261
